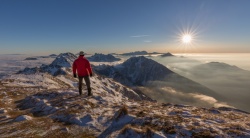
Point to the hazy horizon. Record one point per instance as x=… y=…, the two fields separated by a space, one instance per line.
x=241 y=60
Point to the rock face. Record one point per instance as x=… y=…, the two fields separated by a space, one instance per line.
x=22 y=118
x=103 y=58
x=29 y=71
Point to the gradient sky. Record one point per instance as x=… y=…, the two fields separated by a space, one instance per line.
x=107 y=26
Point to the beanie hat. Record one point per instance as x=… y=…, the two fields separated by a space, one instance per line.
x=81 y=53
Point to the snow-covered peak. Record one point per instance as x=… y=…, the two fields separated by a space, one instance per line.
x=135 y=71
x=64 y=60
x=134 y=61
x=98 y=57
x=141 y=69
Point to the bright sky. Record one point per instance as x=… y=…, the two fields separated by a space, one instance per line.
x=107 y=26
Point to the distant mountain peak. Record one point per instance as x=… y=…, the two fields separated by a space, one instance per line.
x=167 y=55
x=141 y=70
x=98 y=57
x=64 y=60
x=135 y=53
x=52 y=55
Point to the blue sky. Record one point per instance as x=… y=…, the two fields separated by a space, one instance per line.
x=107 y=26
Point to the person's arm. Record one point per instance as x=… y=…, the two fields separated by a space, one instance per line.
x=74 y=69
x=89 y=69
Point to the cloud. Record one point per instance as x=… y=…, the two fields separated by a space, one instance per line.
x=194 y=97
x=202 y=97
x=147 y=41
x=168 y=94
x=209 y=100
x=137 y=36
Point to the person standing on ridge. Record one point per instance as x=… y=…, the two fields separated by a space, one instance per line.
x=82 y=66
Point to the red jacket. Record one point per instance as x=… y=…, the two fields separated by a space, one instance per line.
x=82 y=66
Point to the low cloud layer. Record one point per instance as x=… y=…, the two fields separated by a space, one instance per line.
x=232 y=83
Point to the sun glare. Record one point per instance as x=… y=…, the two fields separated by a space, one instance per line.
x=186 y=39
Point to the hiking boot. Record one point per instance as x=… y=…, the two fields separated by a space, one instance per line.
x=90 y=94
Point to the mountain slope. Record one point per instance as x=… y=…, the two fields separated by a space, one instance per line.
x=141 y=72
x=108 y=113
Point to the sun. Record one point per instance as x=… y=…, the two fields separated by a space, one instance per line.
x=186 y=38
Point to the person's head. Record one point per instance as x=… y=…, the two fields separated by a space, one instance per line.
x=81 y=53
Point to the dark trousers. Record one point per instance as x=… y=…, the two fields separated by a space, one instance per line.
x=87 y=82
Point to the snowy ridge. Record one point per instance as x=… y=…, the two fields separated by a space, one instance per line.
x=47 y=81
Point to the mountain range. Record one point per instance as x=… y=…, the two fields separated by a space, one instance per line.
x=43 y=103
